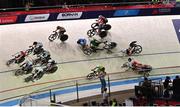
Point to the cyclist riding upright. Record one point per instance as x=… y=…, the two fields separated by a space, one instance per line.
x=94 y=44
x=61 y=30
x=101 y=22
x=83 y=43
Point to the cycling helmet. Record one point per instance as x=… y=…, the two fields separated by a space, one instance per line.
x=34 y=43
x=51 y=61
x=58 y=27
x=100 y=16
x=129 y=59
x=81 y=41
x=78 y=42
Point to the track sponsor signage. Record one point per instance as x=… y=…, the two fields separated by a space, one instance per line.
x=8 y=19
x=37 y=17
x=69 y=15
x=176 y=23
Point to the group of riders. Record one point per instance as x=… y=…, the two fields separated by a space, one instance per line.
x=94 y=43
x=44 y=57
x=42 y=63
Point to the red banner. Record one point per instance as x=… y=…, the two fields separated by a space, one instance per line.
x=8 y=19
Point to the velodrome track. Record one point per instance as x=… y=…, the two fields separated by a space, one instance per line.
x=155 y=34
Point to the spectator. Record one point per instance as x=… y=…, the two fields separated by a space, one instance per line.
x=167 y=82
x=103 y=81
x=146 y=83
x=176 y=88
x=146 y=89
x=105 y=97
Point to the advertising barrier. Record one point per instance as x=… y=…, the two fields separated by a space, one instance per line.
x=70 y=15
x=53 y=16
x=37 y=17
x=8 y=19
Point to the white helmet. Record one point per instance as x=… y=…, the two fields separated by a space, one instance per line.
x=51 y=61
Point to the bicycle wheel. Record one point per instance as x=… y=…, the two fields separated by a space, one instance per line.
x=10 y=62
x=87 y=51
x=138 y=49
x=52 y=37
x=19 y=72
x=94 y=25
x=103 y=34
x=113 y=45
x=54 y=69
x=64 y=37
x=39 y=76
x=90 y=76
x=91 y=32
x=107 y=27
x=29 y=78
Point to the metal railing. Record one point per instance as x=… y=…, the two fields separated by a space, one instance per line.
x=75 y=85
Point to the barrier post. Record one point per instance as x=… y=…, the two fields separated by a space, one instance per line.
x=109 y=86
x=77 y=90
x=50 y=94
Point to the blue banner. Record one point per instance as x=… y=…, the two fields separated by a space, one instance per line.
x=129 y=12
x=176 y=23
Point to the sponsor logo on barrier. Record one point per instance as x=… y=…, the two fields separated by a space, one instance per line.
x=161 y=11
x=176 y=23
x=37 y=17
x=164 y=10
x=8 y=19
x=69 y=15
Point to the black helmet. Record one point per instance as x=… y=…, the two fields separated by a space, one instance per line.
x=78 y=42
x=129 y=59
x=34 y=43
x=58 y=27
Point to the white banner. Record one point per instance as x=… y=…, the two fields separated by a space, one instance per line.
x=69 y=15
x=37 y=17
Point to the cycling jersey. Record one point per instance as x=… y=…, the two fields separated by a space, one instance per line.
x=95 y=43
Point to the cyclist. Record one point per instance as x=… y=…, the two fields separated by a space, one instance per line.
x=130 y=50
x=134 y=64
x=44 y=56
x=19 y=56
x=38 y=46
x=51 y=63
x=101 y=22
x=82 y=42
x=61 y=30
x=38 y=73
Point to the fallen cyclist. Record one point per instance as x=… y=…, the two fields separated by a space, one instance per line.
x=135 y=65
